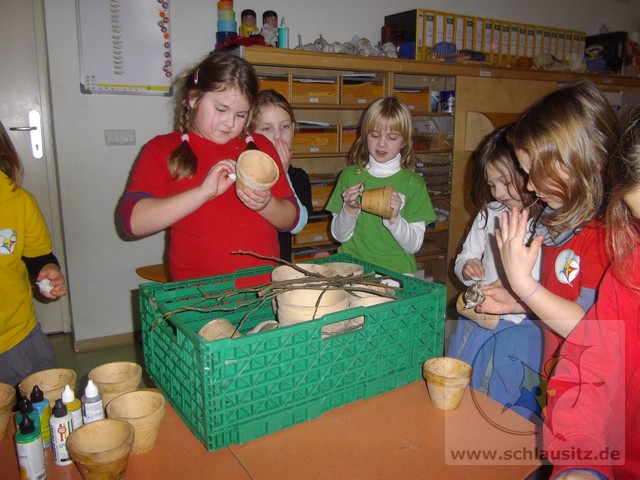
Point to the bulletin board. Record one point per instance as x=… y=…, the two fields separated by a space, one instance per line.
x=124 y=46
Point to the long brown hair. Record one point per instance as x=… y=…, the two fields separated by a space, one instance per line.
x=218 y=72
x=496 y=151
x=623 y=229
x=390 y=113
x=571 y=131
x=10 y=162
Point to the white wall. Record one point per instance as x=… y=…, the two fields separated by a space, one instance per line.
x=92 y=176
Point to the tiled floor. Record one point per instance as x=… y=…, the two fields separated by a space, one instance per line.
x=83 y=362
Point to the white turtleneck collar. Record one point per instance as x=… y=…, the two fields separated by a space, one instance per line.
x=386 y=169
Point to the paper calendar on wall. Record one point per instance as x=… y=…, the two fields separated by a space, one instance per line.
x=124 y=46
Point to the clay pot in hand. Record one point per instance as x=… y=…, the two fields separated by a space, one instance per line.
x=256 y=170
x=377 y=201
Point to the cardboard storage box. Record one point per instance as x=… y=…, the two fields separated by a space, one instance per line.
x=316 y=139
x=348 y=135
x=231 y=391
x=417 y=99
x=320 y=196
x=314 y=90
x=312 y=234
x=279 y=83
x=360 y=90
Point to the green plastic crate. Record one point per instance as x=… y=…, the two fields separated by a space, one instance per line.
x=231 y=391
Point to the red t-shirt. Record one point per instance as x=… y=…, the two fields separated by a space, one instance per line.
x=595 y=389
x=201 y=243
x=579 y=263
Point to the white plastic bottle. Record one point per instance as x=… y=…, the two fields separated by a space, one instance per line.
x=92 y=406
x=61 y=426
x=73 y=406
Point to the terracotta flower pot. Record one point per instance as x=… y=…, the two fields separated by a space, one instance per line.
x=378 y=201
x=101 y=449
x=7 y=401
x=256 y=170
x=113 y=379
x=144 y=409
x=447 y=378
x=51 y=382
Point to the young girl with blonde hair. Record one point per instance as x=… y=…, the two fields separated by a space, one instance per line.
x=382 y=155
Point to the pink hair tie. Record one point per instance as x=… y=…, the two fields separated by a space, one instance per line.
x=248 y=139
x=196 y=74
x=185 y=137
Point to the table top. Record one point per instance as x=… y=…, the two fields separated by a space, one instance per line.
x=396 y=435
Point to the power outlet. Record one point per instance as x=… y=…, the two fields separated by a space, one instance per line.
x=119 y=137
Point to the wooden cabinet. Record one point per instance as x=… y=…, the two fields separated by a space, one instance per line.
x=332 y=89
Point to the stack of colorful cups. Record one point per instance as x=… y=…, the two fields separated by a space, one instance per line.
x=227 y=25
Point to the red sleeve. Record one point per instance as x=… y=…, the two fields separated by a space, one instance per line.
x=151 y=173
x=584 y=423
x=594 y=256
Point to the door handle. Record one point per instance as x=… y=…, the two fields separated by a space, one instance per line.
x=35 y=131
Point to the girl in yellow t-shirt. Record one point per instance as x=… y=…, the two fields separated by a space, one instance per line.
x=25 y=251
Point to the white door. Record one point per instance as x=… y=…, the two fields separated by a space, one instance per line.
x=24 y=86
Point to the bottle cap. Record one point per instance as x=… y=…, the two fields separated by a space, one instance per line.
x=59 y=409
x=36 y=394
x=27 y=425
x=25 y=406
x=68 y=395
x=91 y=390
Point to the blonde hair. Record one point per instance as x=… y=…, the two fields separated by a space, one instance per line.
x=10 y=163
x=389 y=113
x=218 y=72
x=569 y=135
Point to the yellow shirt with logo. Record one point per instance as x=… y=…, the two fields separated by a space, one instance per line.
x=23 y=232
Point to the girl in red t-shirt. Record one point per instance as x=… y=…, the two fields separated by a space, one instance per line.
x=563 y=142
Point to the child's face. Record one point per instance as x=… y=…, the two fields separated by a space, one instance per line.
x=384 y=144
x=221 y=116
x=632 y=199
x=543 y=192
x=249 y=20
x=502 y=187
x=272 y=21
x=275 y=123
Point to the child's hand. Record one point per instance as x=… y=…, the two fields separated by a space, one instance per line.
x=51 y=281
x=254 y=200
x=497 y=300
x=351 y=198
x=473 y=270
x=518 y=259
x=396 y=206
x=284 y=152
x=219 y=179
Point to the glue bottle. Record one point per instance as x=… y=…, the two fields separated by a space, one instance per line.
x=43 y=408
x=60 y=427
x=25 y=409
x=283 y=35
x=73 y=406
x=92 y=406
x=30 y=451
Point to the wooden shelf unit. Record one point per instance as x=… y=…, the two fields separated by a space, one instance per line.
x=498 y=93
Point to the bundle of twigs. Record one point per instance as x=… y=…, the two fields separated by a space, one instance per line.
x=366 y=282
